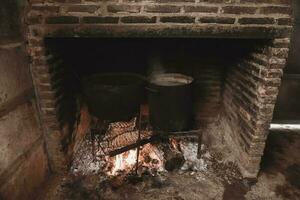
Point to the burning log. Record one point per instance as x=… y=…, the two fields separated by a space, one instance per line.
x=127 y=139
x=124 y=139
x=117 y=129
x=174 y=158
x=130 y=125
x=123 y=134
x=132 y=146
x=148 y=137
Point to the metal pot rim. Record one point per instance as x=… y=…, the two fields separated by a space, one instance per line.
x=171 y=79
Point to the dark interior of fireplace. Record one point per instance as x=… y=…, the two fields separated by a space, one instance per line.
x=134 y=147
x=206 y=60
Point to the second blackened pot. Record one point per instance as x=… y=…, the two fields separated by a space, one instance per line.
x=170 y=101
x=115 y=96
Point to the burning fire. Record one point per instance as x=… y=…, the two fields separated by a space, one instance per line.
x=150 y=159
x=118 y=134
x=123 y=162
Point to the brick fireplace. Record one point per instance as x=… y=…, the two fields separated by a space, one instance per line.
x=247 y=89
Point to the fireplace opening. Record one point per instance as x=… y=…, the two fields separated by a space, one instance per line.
x=221 y=69
x=206 y=60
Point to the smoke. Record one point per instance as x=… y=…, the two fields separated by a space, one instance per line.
x=156 y=66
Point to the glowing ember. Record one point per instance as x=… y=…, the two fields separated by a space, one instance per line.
x=123 y=162
x=150 y=159
x=153 y=158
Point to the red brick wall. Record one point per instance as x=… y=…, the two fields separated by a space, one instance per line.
x=207 y=18
x=251 y=90
x=251 y=87
x=274 y=12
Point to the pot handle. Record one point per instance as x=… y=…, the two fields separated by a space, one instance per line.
x=151 y=90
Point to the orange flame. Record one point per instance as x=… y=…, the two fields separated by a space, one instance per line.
x=123 y=162
x=126 y=161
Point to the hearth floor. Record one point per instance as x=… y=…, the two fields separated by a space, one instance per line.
x=279 y=179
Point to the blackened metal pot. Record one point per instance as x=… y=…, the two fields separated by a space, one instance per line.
x=170 y=101
x=114 y=96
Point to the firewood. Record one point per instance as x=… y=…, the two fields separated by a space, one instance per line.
x=174 y=159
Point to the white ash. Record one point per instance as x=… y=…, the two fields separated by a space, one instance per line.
x=85 y=162
x=190 y=151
